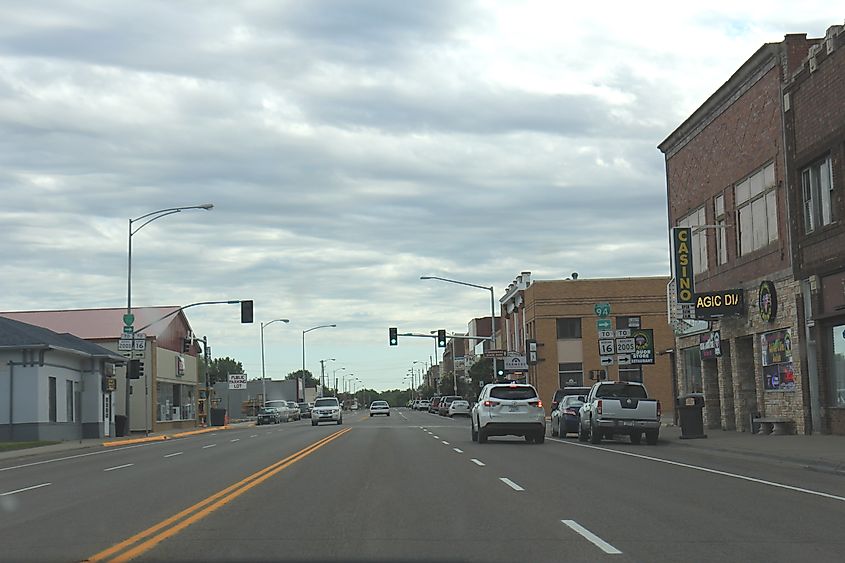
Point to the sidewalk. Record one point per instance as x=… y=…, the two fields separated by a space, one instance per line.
x=821 y=452
x=136 y=438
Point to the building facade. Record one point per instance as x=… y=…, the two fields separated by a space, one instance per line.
x=579 y=343
x=726 y=175
x=814 y=116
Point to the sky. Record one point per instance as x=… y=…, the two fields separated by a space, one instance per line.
x=348 y=147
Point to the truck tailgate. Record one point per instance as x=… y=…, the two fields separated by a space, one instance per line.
x=628 y=408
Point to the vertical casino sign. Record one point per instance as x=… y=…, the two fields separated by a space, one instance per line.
x=682 y=261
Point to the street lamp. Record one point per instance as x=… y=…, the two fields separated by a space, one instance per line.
x=334 y=377
x=322 y=374
x=492 y=291
x=128 y=319
x=302 y=374
x=263 y=385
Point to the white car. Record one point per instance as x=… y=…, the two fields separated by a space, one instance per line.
x=326 y=409
x=458 y=407
x=285 y=413
x=508 y=409
x=379 y=407
x=423 y=405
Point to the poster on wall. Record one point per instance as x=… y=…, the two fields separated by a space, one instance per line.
x=643 y=346
x=776 y=347
x=779 y=377
x=710 y=345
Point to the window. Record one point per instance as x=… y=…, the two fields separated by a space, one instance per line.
x=628 y=322
x=837 y=367
x=699 y=238
x=756 y=210
x=721 y=231
x=52 y=398
x=692 y=370
x=570 y=375
x=816 y=184
x=621 y=390
x=631 y=373
x=69 y=400
x=512 y=393
x=568 y=328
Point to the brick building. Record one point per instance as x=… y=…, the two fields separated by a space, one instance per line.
x=814 y=115
x=560 y=315
x=726 y=179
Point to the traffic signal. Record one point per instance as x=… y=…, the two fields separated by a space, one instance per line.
x=186 y=344
x=394 y=338
x=500 y=367
x=441 y=338
x=246 y=311
x=135 y=369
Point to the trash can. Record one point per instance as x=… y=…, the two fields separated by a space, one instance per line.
x=691 y=415
x=120 y=425
x=218 y=417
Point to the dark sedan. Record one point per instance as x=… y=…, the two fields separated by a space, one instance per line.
x=565 y=417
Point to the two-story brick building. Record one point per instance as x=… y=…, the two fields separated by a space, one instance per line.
x=814 y=115
x=727 y=176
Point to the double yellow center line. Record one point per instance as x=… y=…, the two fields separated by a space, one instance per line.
x=144 y=541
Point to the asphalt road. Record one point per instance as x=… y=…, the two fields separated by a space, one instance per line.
x=413 y=487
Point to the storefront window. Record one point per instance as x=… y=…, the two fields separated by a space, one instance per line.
x=175 y=402
x=570 y=374
x=837 y=366
x=778 y=370
x=692 y=370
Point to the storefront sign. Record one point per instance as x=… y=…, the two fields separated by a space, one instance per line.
x=776 y=347
x=767 y=300
x=682 y=246
x=710 y=345
x=643 y=346
x=779 y=377
x=180 y=366
x=109 y=384
x=712 y=304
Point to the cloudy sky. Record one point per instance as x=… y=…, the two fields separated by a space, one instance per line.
x=348 y=147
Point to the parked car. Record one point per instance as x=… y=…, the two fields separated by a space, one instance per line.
x=567 y=391
x=304 y=410
x=267 y=415
x=293 y=410
x=379 y=407
x=326 y=409
x=284 y=409
x=565 y=417
x=508 y=410
x=434 y=405
x=619 y=407
x=459 y=407
x=424 y=405
x=443 y=406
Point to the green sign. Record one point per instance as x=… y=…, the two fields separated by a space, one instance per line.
x=602 y=309
x=128 y=319
x=643 y=346
x=604 y=324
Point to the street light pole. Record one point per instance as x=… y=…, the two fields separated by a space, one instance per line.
x=492 y=291
x=263 y=378
x=129 y=319
x=323 y=375
x=302 y=373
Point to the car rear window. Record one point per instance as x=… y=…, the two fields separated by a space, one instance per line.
x=513 y=393
x=379 y=404
x=325 y=403
x=622 y=390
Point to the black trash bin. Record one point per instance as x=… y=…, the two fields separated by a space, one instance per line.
x=120 y=425
x=691 y=415
x=218 y=417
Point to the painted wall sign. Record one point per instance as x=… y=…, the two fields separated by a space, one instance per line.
x=682 y=246
x=767 y=300
x=712 y=304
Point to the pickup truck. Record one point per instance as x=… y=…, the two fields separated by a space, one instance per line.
x=619 y=407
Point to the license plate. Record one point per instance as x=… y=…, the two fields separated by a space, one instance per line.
x=513 y=409
x=627 y=423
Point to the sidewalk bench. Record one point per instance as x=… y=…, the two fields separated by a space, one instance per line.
x=775 y=425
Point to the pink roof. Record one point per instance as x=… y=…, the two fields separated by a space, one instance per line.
x=96 y=324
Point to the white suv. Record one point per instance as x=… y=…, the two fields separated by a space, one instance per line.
x=508 y=409
x=326 y=409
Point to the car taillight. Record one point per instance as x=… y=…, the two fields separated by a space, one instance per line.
x=491 y=403
x=573 y=412
x=659 y=410
x=598 y=407
x=538 y=404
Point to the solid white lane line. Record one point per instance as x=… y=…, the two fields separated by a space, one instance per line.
x=591 y=537
x=177 y=453
x=209 y=446
x=235 y=440
x=77 y=455
x=119 y=467
x=459 y=451
x=708 y=470
x=25 y=489
x=476 y=462
x=510 y=484
x=445 y=442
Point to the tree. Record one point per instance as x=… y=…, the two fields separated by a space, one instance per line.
x=220 y=368
x=309 y=379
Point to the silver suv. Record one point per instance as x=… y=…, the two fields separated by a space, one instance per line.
x=326 y=409
x=508 y=410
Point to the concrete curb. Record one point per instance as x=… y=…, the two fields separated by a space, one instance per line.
x=172 y=436
x=135 y=441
